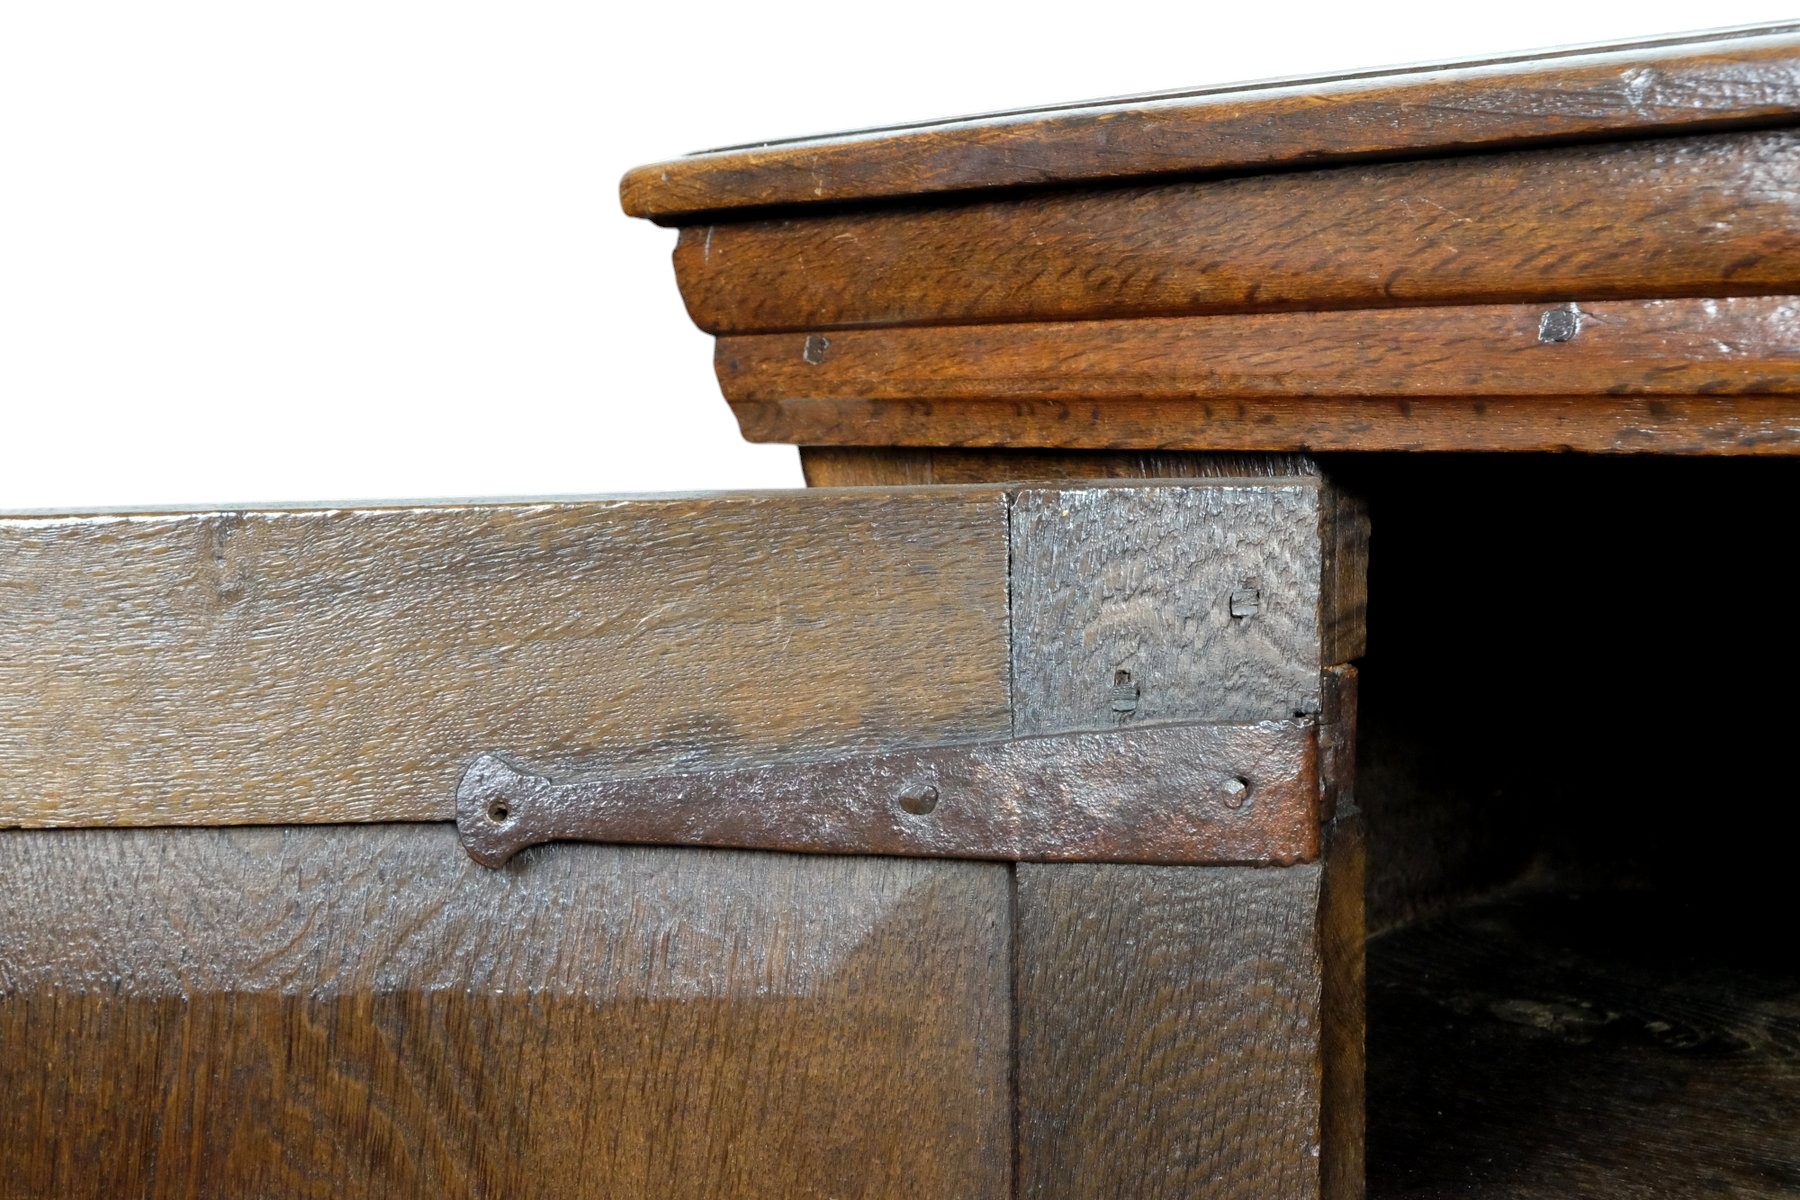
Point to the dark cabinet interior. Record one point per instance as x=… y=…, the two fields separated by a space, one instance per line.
x=1574 y=764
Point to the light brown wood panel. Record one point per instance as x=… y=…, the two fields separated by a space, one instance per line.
x=362 y=1011
x=1693 y=216
x=1712 y=425
x=1692 y=82
x=346 y=664
x=1744 y=345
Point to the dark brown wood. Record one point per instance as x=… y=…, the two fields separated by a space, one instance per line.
x=1609 y=1042
x=1169 y=1032
x=1342 y=1034
x=1343 y=575
x=1637 y=348
x=1165 y=793
x=1707 y=80
x=346 y=665
x=1140 y=582
x=363 y=1012
x=1337 y=740
x=1693 y=216
x=864 y=466
x=1687 y=425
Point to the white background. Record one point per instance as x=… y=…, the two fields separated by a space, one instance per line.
x=255 y=251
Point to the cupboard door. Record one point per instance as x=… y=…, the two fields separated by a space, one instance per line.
x=242 y=952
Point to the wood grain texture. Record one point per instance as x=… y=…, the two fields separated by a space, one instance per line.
x=1739 y=77
x=864 y=466
x=345 y=665
x=1142 y=580
x=1741 y=345
x=1624 y=1043
x=1343 y=576
x=1343 y=1052
x=1693 y=216
x=1686 y=425
x=349 y=1012
x=1168 y=1032
x=1170 y=1023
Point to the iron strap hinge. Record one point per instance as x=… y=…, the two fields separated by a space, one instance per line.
x=1171 y=793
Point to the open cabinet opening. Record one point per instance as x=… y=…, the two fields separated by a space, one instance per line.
x=1575 y=762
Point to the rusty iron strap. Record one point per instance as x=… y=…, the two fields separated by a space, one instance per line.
x=1178 y=793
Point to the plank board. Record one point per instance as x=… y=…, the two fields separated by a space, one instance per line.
x=362 y=1012
x=1741 y=345
x=1168 y=1032
x=865 y=466
x=1692 y=216
x=1172 y=1039
x=1699 y=81
x=1739 y=426
x=1142 y=580
x=345 y=664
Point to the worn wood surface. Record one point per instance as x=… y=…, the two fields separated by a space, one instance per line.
x=865 y=466
x=1170 y=1020
x=1670 y=84
x=1343 y=1059
x=1344 y=534
x=1685 y=425
x=1339 y=702
x=1205 y=598
x=345 y=665
x=362 y=1011
x=1621 y=1043
x=1168 y=1032
x=1636 y=347
x=1343 y=575
x=1694 y=216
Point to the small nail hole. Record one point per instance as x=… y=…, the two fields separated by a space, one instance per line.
x=498 y=812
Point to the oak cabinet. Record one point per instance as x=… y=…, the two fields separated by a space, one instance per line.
x=1276 y=687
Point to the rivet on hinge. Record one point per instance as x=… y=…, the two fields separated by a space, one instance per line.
x=1124 y=696
x=919 y=798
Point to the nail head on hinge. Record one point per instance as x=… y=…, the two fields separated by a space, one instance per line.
x=1124 y=695
x=1559 y=324
x=919 y=798
x=814 y=350
x=1237 y=792
x=1246 y=601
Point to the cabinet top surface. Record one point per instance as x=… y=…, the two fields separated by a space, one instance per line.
x=1722 y=79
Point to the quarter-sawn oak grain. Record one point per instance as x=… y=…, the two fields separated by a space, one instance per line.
x=1171 y=1033
x=1141 y=580
x=346 y=665
x=1693 y=216
x=350 y=1011
x=1169 y=1025
x=1718 y=80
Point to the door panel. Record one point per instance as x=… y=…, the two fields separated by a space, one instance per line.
x=344 y=665
x=342 y=1011
x=271 y=988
